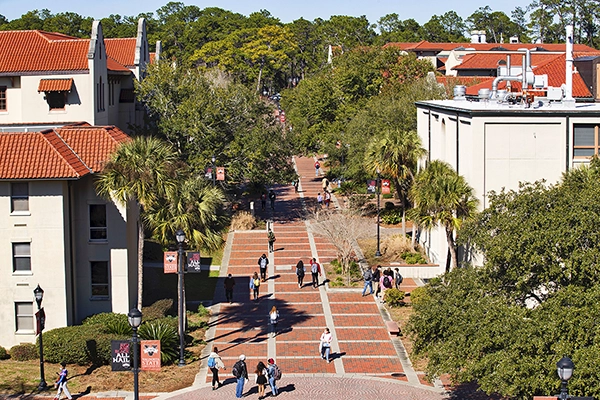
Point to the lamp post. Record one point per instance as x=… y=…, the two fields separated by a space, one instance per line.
x=565 y=369
x=214 y=173
x=378 y=253
x=180 y=237
x=135 y=320
x=38 y=292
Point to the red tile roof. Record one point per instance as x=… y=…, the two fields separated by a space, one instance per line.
x=69 y=152
x=555 y=68
x=33 y=51
x=55 y=85
x=490 y=61
x=121 y=50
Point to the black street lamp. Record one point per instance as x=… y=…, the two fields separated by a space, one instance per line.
x=135 y=320
x=180 y=237
x=565 y=369
x=38 y=292
x=378 y=252
x=214 y=173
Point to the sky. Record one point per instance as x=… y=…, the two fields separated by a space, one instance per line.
x=286 y=11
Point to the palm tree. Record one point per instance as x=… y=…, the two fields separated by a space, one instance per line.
x=194 y=207
x=396 y=155
x=441 y=196
x=144 y=171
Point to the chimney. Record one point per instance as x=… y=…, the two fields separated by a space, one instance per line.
x=569 y=66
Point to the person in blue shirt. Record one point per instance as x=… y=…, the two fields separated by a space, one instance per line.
x=62 y=382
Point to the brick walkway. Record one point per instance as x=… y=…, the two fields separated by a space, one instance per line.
x=367 y=362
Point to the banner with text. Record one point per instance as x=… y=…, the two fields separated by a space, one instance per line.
x=119 y=351
x=385 y=186
x=371 y=186
x=220 y=173
x=193 y=261
x=170 y=262
x=150 y=355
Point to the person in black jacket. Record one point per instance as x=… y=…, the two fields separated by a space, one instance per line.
x=240 y=372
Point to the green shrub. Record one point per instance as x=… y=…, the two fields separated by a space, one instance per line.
x=103 y=319
x=24 y=352
x=203 y=311
x=354 y=269
x=391 y=216
x=356 y=202
x=418 y=294
x=119 y=327
x=394 y=297
x=387 y=196
x=164 y=331
x=159 y=309
x=389 y=205
x=4 y=354
x=413 y=258
x=80 y=344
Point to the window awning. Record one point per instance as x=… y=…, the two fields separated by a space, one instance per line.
x=55 y=85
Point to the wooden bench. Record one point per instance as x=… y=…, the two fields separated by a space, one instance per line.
x=392 y=328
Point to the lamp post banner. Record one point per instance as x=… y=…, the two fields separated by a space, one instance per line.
x=385 y=186
x=193 y=261
x=150 y=355
x=120 y=359
x=170 y=262
x=220 y=173
x=40 y=319
x=372 y=186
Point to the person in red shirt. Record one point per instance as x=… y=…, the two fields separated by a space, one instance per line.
x=315 y=270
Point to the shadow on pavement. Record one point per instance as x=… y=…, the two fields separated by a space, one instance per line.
x=470 y=391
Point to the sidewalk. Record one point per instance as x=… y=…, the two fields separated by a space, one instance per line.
x=366 y=360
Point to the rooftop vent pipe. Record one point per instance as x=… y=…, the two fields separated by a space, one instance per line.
x=527 y=78
x=569 y=65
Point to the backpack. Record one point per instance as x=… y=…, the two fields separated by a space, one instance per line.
x=237 y=370
x=314 y=268
x=387 y=282
x=263 y=262
x=256 y=282
x=276 y=372
x=317 y=165
x=368 y=276
x=300 y=271
x=211 y=362
x=400 y=279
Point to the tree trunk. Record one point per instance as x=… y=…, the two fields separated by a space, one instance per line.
x=451 y=248
x=140 y=263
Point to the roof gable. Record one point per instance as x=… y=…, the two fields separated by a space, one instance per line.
x=69 y=152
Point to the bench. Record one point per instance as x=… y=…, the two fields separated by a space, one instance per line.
x=392 y=328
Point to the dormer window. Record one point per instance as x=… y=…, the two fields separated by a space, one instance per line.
x=56 y=91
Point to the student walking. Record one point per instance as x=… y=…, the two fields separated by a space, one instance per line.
x=61 y=382
x=376 y=272
x=319 y=200
x=327 y=199
x=272 y=199
x=255 y=284
x=368 y=277
x=326 y=339
x=260 y=377
x=273 y=377
x=215 y=364
x=240 y=372
x=317 y=167
x=263 y=200
x=386 y=282
x=263 y=261
x=397 y=278
x=300 y=273
x=272 y=239
x=315 y=270
x=229 y=283
x=273 y=319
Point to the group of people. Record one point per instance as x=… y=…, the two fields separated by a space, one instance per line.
x=382 y=281
x=263 y=374
x=325 y=198
x=315 y=271
x=263 y=199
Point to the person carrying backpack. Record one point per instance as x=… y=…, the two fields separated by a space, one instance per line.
x=385 y=283
x=368 y=277
x=215 y=364
x=263 y=261
x=300 y=273
x=273 y=319
x=271 y=238
x=274 y=375
x=315 y=270
x=240 y=372
x=317 y=166
x=397 y=278
x=255 y=285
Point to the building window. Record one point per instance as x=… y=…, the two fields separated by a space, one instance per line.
x=585 y=141
x=56 y=100
x=100 y=95
x=24 y=316
x=98 y=222
x=19 y=196
x=21 y=257
x=99 y=278
x=3 y=98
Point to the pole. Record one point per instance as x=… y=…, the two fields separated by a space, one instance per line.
x=378 y=253
x=214 y=171
x=181 y=307
x=136 y=369
x=564 y=395
x=43 y=385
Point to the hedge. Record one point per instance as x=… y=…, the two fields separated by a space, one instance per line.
x=3 y=353
x=24 y=352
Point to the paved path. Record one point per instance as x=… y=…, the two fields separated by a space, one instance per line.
x=367 y=362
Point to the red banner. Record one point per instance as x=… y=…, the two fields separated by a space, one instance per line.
x=170 y=262
x=150 y=355
x=220 y=173
x=385 y=186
